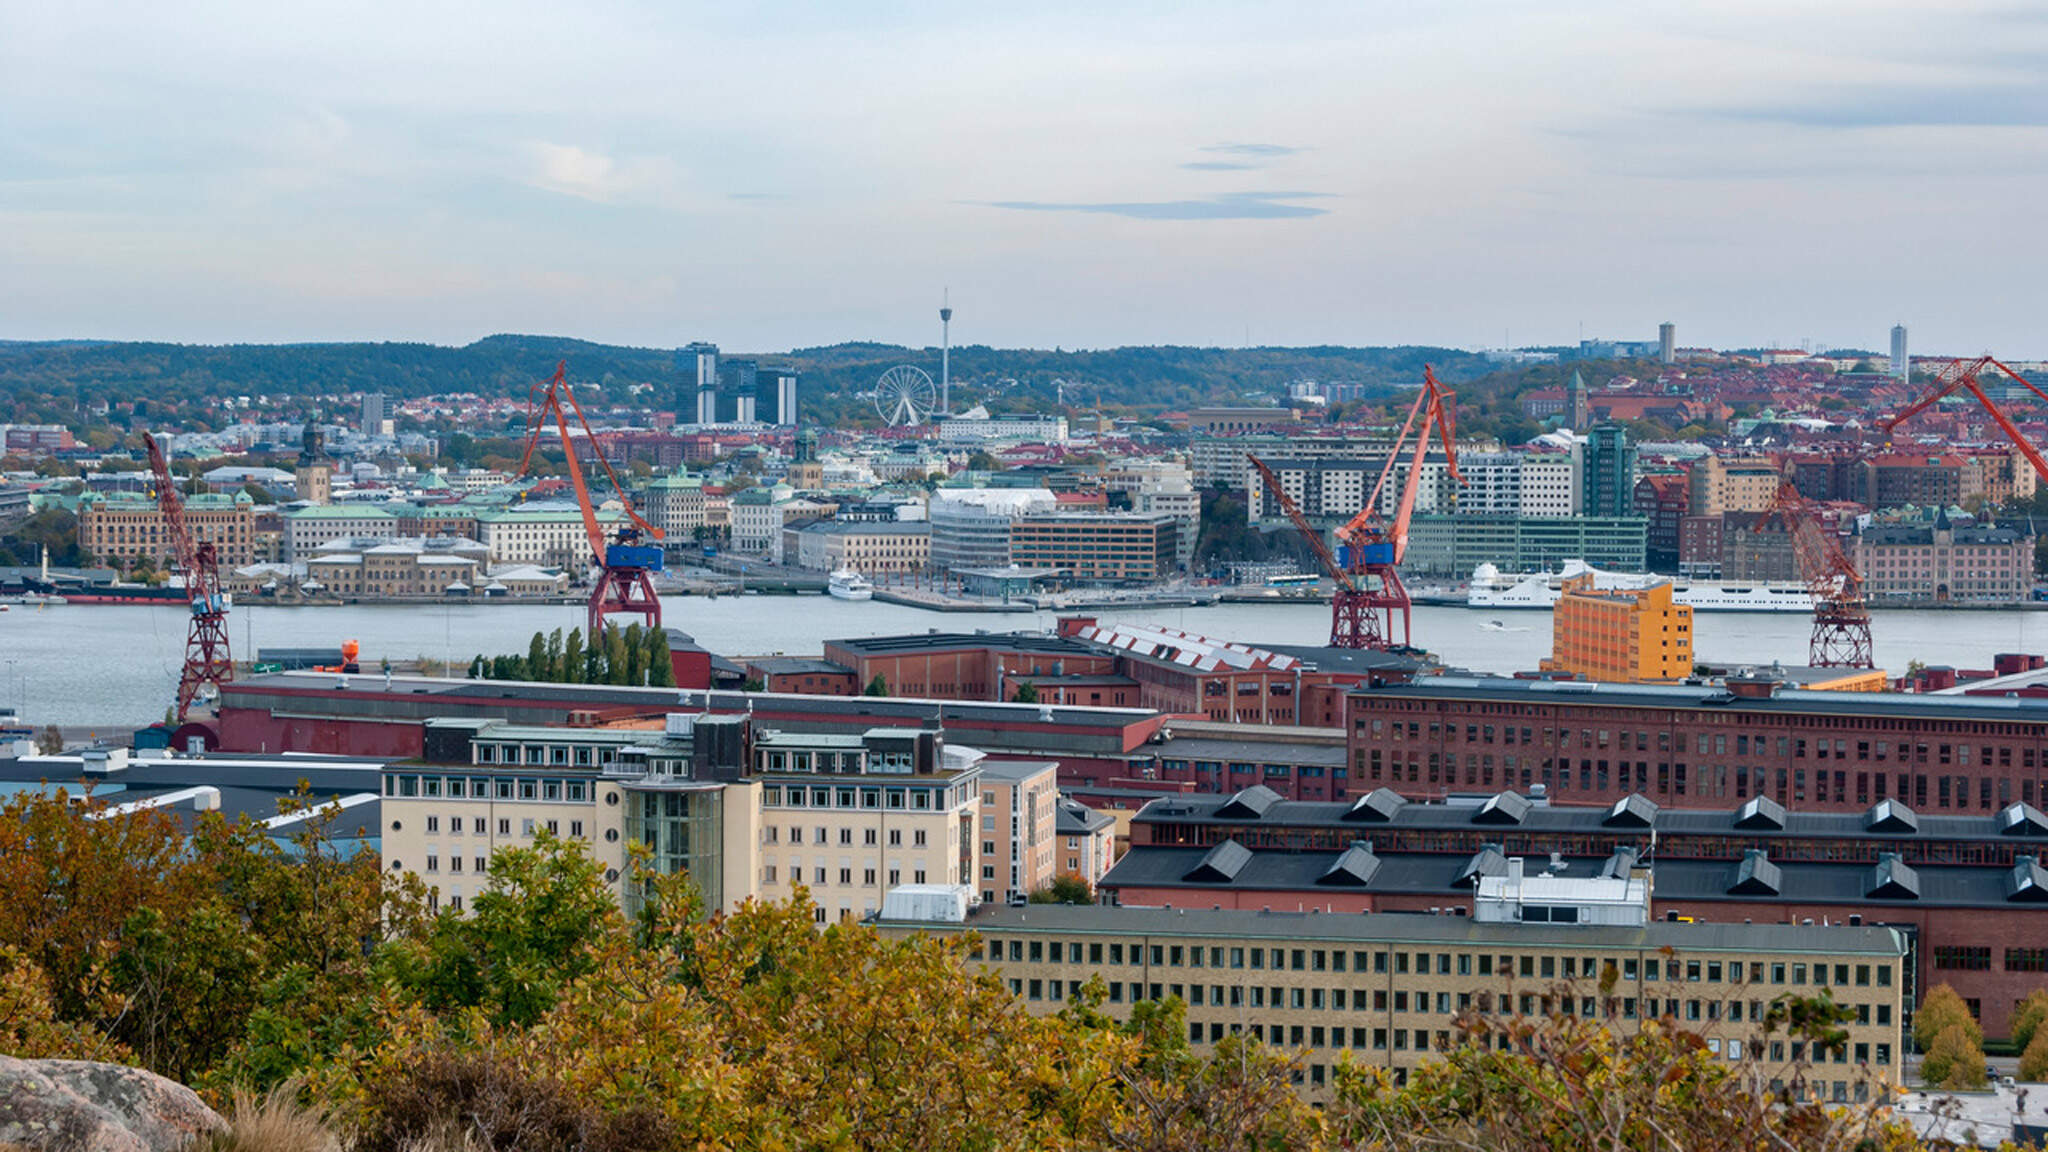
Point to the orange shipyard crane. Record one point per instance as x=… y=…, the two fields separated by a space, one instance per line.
x=207 y=660
x=624 y=583
x=1371 y=607
x=1841 y=618
x=1964 y=375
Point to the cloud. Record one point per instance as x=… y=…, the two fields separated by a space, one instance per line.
x=571 y=171
x=1229 y=206
x=756 y=197
x=1218 y=166
x=1254 y=149
x=1960 y=106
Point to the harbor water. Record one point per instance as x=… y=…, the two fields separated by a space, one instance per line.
x=117 y=665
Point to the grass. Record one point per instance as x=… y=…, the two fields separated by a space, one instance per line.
x=273 y=1122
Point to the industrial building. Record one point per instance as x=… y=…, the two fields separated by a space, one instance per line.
x=1620 y=635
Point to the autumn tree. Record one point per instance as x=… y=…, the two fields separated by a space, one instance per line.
x=1941 y=1008
x=2028 y=1018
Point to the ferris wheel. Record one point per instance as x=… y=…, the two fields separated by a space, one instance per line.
x=905 y=396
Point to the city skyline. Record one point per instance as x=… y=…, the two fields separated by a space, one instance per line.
x=781 y=178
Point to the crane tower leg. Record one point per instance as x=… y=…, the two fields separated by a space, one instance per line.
x=624 y=591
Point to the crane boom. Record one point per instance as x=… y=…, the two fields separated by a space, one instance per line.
x=207 y=658
x=1841 y=617
x=1371 y=607
x=1308 y=531
x=1964 y=376
x=624 y=584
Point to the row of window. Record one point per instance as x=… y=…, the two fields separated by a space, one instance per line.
x=820 y=876
x=1977 y=958
x=540 y=789
x=844 y=797
x=771 y=835
x=1397 y=962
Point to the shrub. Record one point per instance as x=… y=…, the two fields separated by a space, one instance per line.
x=452 y=1099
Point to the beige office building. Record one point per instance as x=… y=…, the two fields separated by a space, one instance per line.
x=850 y=817
x=1389 y=990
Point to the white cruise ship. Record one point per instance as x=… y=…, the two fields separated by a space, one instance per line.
x=846 y=584
x=1492 y=588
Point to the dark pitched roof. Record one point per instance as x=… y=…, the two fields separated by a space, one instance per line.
x=1376 y=807
x=1488 y=861
x=1634 y=810
x=2026 y=882
x=1893 y=879
x=1755 y=875
x=1760 y=812
x=2022 y=820
x=1353 y=867
x=1220 y=864
x=1249 y=804
x=1502 y=808
x=1891 y=816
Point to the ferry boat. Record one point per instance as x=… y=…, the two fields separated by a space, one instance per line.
x=1492 y=588
x=846 y=584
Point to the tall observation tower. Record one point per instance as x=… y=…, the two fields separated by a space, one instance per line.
x=946 y=353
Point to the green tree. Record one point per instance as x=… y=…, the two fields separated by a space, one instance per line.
x=636 y=659
x=2028 y=1018
x=2034 y=1058
x=555 y=672
x=1027 y=693
x=876 y=687
x=661 y=669
x=616 y=668
x=572 y=657
x=536 y=667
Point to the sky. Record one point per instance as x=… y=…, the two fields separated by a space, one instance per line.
x=769 y=176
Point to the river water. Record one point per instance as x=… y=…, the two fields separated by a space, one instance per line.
x=117 y=665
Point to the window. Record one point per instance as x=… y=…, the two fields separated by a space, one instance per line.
x=2021 y=960
x=1965 y=957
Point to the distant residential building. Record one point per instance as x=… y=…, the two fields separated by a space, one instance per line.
x=1756 y=547
x=1019 y=806
x=1452 y=546
x=373 y=414
x=1999 y=476
x=870 y=548
x=128 y=528
x=1087 y=841
x=1943 y=562
x=970 y=428
x=384 y=569
x=1621 y=636
x=307 y=528
x=1219 y=461
x=1699 y=545
x=1925 y=480
x=1661 y=500
x=971 y=526
x=1241 y=421
x=1609 y=472
x=1902 y=360
x=34 y=439
x=760 y=516
x=554 y=537
x=1108 y=546
x=674 y=504
x=1717 y=485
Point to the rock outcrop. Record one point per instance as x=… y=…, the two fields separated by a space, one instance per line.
x=82 y=1106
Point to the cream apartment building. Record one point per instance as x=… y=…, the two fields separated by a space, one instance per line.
x=1019 y=816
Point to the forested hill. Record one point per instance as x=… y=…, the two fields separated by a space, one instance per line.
x=52 y=381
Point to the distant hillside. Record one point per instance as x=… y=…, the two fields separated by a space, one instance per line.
x=53 y=381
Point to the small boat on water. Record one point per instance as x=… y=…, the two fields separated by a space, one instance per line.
x=846 y=584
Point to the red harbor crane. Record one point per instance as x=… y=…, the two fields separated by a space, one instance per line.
x=1841 y=618
x=625 y=583
x=1371 y=606
x=1965 y=375
x=207 y=661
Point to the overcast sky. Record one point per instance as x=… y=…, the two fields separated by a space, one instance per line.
x=769 y=175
